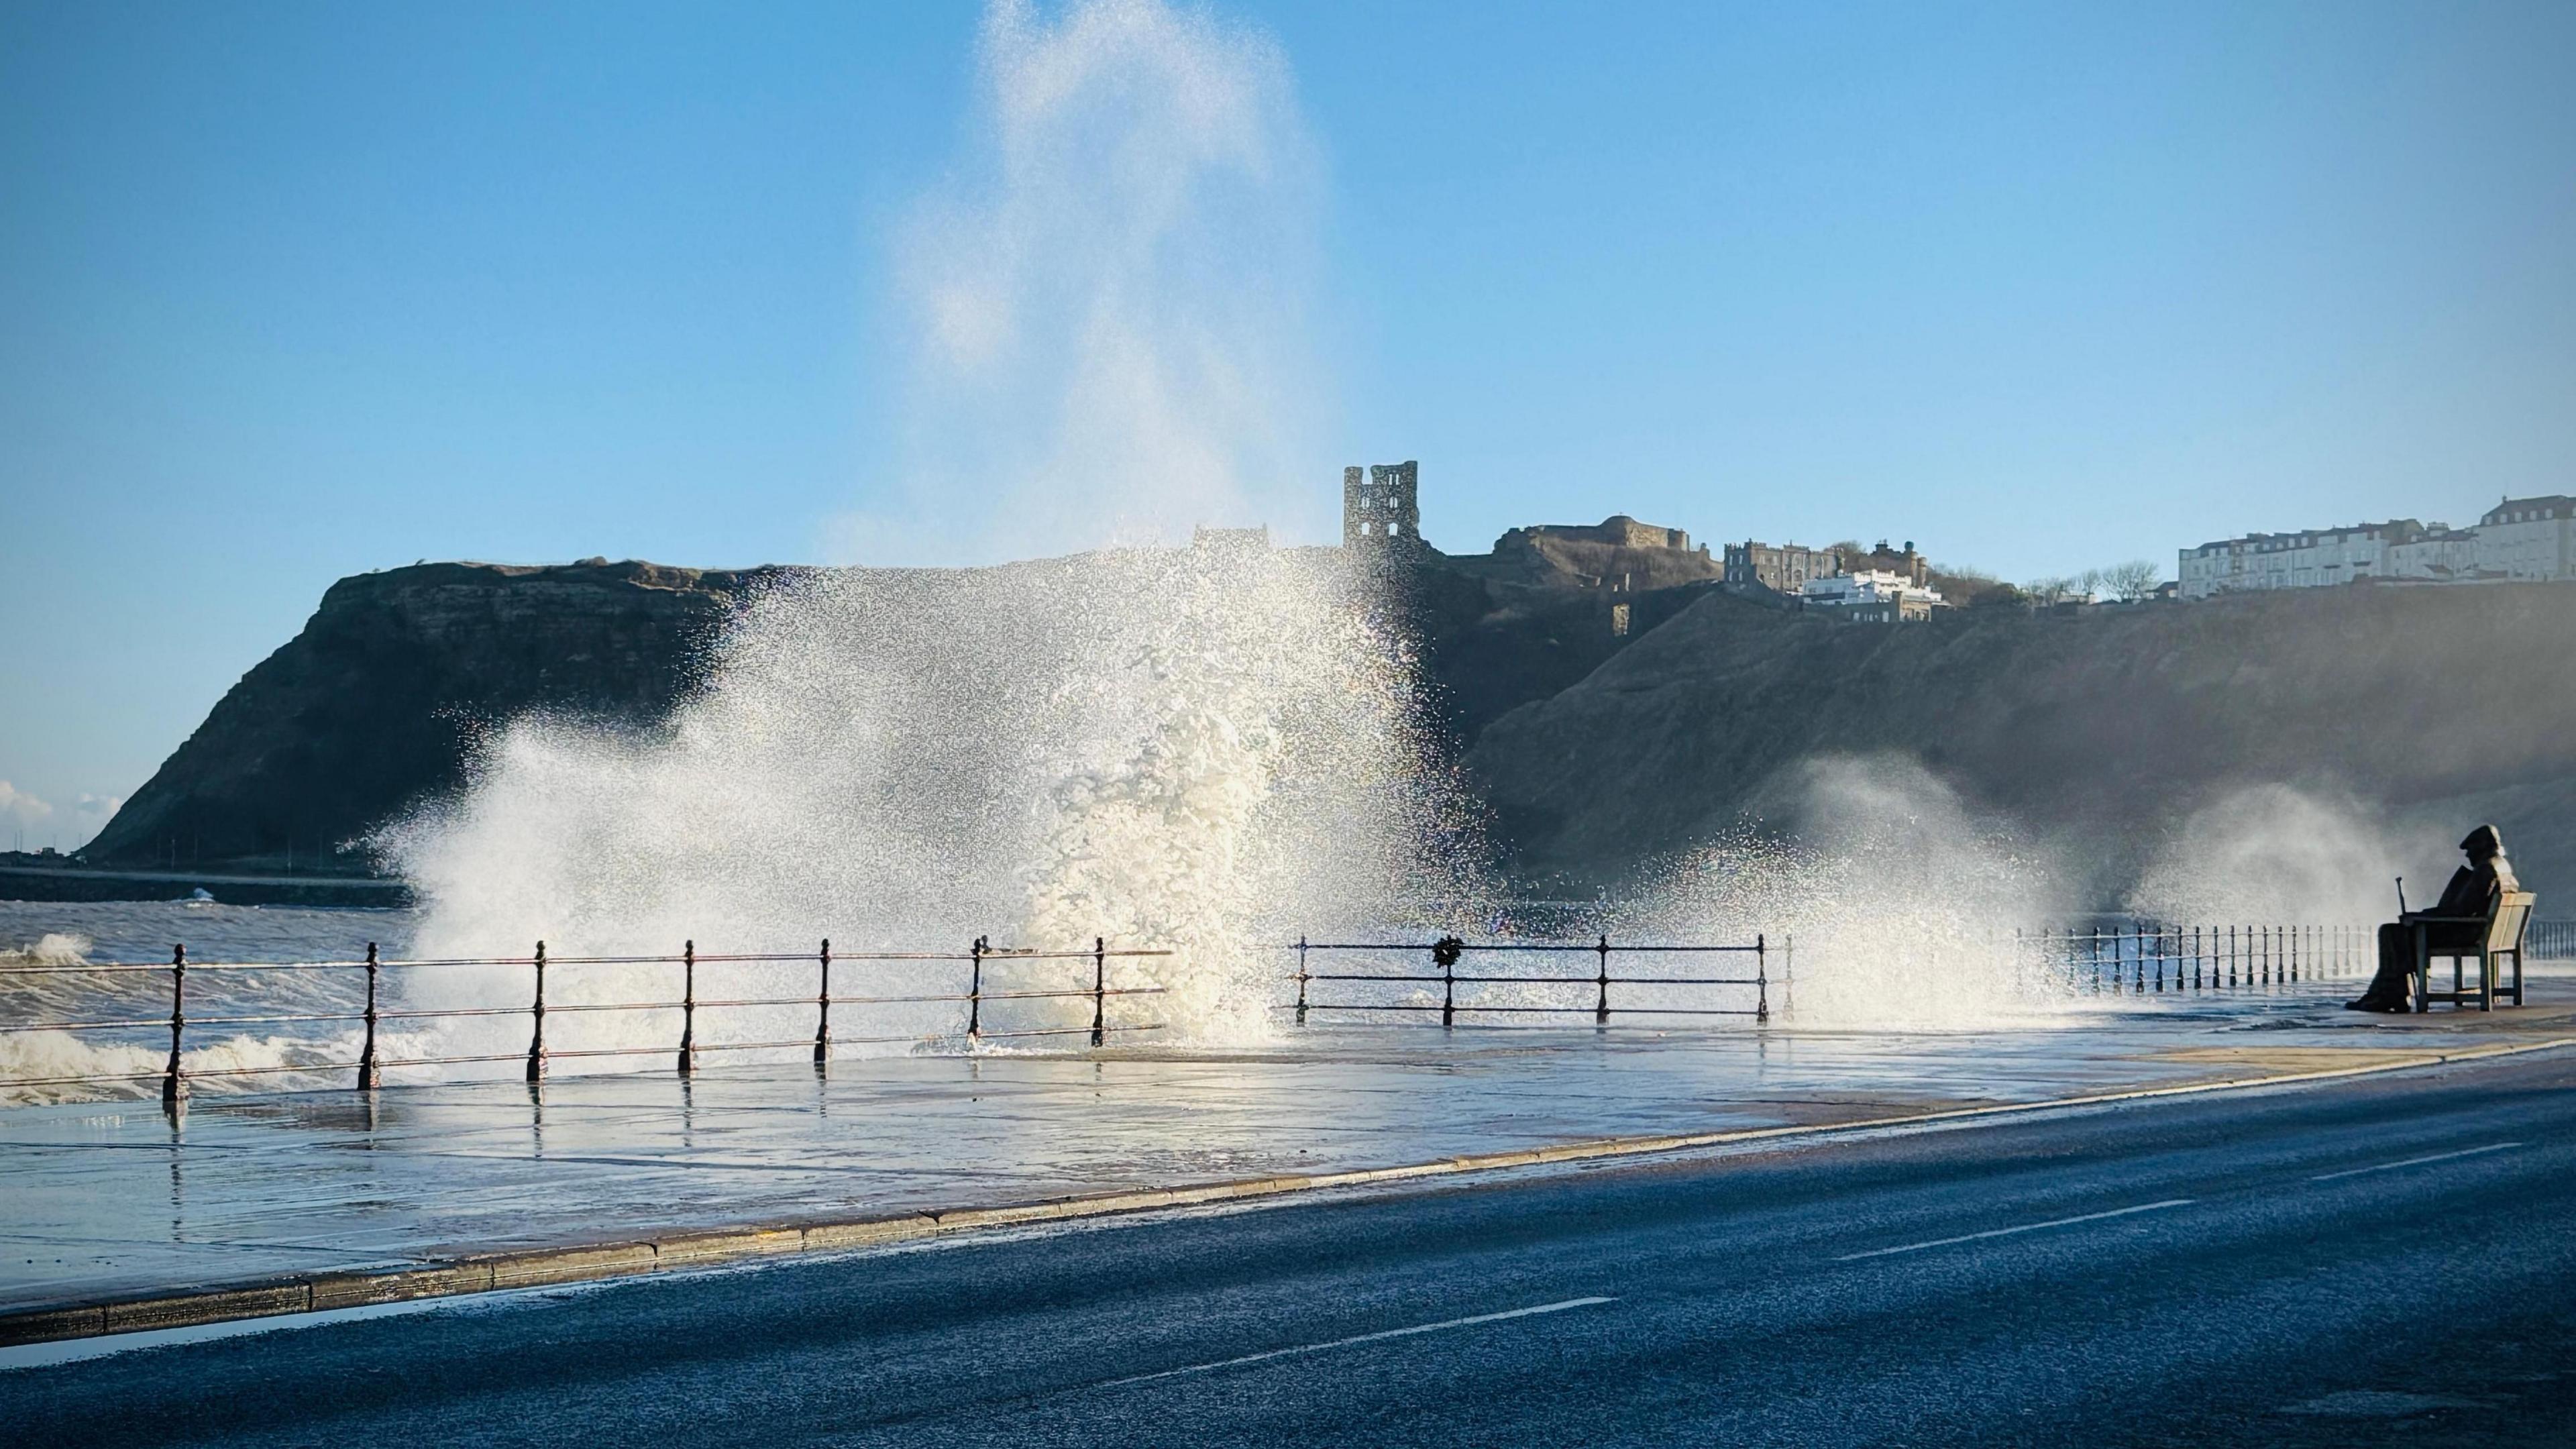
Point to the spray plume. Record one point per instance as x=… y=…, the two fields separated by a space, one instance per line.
x=1203 y=749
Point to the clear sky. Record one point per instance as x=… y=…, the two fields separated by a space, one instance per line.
x=288 y=292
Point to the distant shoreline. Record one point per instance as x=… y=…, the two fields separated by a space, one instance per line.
x=79 y=883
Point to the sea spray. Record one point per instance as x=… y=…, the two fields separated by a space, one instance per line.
x=1109 y=298
x=1901 y=901
x=1193 y=749
x=1204 y=751
x=2276 y=854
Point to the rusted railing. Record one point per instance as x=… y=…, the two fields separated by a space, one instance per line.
x=1449 y=952
x=370 y=1065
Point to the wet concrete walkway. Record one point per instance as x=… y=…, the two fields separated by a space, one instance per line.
x=107 y=1199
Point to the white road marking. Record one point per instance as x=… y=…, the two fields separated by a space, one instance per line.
x=2414 y=1161
x=1200 y=1368
x=2173 y=1202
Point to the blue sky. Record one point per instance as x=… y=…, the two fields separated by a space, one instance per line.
x=288 y=292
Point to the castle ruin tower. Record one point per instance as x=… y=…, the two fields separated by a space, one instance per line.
x=1381 y=513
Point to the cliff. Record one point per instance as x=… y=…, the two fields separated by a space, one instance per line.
x=1597 y=751
x=374 y=703
x=2109 y=724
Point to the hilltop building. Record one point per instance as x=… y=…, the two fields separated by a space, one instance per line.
x=1905 y=562
x=1382 y=512
x=1788 y=568
x=2518 y=540
x=1784 y=569
x=1618 y=531
x=2530 y=538
x=1873 y=596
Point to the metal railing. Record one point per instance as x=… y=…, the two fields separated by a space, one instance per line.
x=2144 y=959
x=2550 y=940
x=1449 y=953
x=370 y=1064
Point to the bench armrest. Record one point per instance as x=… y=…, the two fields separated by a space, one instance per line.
x=2448 y=920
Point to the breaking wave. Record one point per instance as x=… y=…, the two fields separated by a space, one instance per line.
x=1899 y=901
x=1200 y=751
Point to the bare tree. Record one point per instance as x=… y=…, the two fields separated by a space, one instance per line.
x=2133 y=580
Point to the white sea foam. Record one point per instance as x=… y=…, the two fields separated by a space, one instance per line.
x=35 y=935
x=54 y=948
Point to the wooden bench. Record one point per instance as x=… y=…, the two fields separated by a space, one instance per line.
x=2502 y=940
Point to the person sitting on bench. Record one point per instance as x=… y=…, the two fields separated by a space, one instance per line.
x=2468 y=902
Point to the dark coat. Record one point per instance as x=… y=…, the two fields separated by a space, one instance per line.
x=2475 y=891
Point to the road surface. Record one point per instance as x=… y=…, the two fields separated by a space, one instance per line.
x=2386 y=1260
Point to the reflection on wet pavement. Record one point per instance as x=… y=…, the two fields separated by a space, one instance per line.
x=110 y=1198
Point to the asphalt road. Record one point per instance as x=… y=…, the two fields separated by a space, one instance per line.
x=2391 y=1260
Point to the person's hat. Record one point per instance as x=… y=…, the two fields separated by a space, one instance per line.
x=2484 y=835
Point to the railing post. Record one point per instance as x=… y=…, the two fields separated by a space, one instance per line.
x=688 y=1008
x=2195 y=958
x=1601 y=1002
x=823 y=1009
x=1448 y=988
x=1099 y=987
x=368 y=1073
x=1301 y=981
x=174 y=1082
x=537 y=1015
x=1788 y=972
x=2138 y=948
x=975 y=994
x=1761 y=981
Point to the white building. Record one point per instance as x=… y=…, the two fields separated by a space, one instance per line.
x=2521 y=538
x=2529 y=538
x=2439 y=554
x=1877 y=595
x=2292 y=560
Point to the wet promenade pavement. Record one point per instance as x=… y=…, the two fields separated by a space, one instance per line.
x=108 y=1199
